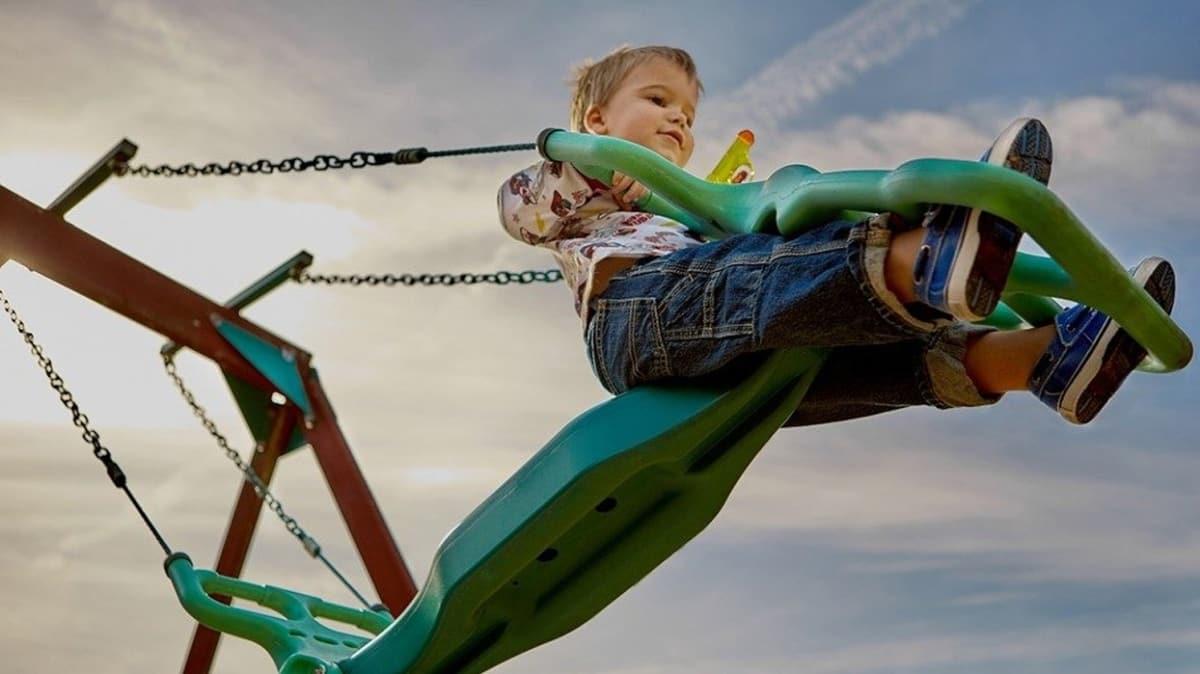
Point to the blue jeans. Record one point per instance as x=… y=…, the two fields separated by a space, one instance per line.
x=720 y=306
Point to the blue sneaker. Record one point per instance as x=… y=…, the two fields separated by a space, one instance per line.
x=963 y=263
x=1091 y=355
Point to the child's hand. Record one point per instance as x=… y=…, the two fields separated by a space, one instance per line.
x=626 y=191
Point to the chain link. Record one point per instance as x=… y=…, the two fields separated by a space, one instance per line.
x=80 y=420
x=321 y=162
x=497 y=278
x=260 y=487
x=288 y=521
x=118 y=476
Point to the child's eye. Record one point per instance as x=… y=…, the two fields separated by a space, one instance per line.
x=658 y=100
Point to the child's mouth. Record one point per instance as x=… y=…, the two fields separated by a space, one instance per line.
x=673 y=136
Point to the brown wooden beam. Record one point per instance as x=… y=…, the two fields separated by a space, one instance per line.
x=51 y=246
x=240 y=532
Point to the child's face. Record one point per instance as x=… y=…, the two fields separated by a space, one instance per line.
x=654 y=107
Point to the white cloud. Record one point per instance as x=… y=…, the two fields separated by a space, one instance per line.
x=869 y=37
x=928 y=508
x=1026 y=647
x=1124 y=158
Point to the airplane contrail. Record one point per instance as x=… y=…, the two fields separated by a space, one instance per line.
x=873 y=35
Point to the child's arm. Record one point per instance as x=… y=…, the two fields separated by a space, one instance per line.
x=537 y=203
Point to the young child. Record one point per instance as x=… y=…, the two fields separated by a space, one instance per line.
x=895 y=299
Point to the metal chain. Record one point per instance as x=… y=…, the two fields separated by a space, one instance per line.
x=80 y=420
x=102 y=453
x=310 y=544
x=292 y=526
x=497 y=278
x=321 y=162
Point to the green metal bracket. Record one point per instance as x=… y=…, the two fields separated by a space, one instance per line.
x=95 y=176
x=255 y=404
x=255 y=291
x=91 y=179
x=278 y=366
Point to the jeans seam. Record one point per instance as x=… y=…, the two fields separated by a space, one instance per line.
x=924 y=377
x=817 y=249
x=728 y=330
x=858 y=245
x=958 y=390
x=660 y=362
x=676 y=288
x=630 y=342
x=598 y=345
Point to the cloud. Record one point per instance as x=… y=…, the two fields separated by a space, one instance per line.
x=1124 y=158
x=1026 y=647
x=871 y=36
x=884 y=493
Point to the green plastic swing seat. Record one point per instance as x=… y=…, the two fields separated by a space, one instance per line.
x=615 y=493
x=629 y=482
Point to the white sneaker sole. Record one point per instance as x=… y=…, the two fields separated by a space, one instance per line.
x=1069 y=405
x=957 y=299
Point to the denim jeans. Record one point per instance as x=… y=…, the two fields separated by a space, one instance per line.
x=720 y=306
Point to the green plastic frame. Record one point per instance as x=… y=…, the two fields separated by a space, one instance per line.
x=797 y=197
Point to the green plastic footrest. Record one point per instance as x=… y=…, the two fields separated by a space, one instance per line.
x=293 y=637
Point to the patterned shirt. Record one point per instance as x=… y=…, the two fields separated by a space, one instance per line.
x=553 y=205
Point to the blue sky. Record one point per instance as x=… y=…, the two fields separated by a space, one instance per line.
x=980 y=541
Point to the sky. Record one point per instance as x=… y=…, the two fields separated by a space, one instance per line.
x=942 y=542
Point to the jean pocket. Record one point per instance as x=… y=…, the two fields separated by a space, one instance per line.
x=627 y=346
x=716 y=304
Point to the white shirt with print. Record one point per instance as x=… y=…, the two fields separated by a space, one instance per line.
x=553 y=205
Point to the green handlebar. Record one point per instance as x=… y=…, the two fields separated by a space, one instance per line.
x=294 y=639
x=798 y=197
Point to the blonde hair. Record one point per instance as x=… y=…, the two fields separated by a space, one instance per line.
x=595 y=83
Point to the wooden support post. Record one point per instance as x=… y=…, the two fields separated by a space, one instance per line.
x=240 y=532
x=378 y=550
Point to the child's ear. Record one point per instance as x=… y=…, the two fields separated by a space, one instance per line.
x=594 y=120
